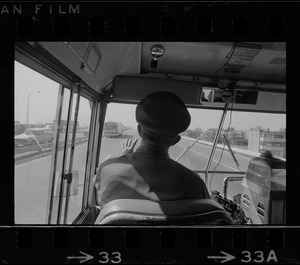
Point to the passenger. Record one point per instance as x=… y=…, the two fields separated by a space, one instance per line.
x=149 y=173
x=266 y=154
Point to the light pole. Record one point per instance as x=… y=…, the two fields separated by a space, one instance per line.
x=28 y=97
x=20 y=115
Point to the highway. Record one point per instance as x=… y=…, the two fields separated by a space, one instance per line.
x=196 y=159
x=32 y=175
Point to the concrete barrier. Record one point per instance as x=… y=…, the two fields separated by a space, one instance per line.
x=221 y=146
x=234 y=149
x=28 y=154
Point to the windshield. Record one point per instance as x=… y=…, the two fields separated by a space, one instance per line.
x=247 y=134
x=245 y=131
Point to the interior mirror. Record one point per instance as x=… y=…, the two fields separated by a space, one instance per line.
x=236 y=96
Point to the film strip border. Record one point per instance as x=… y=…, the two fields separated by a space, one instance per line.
x=149 y=245
x=149 y=20
x=218 y=21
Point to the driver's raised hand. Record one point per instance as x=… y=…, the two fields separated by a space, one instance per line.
x=128 y=146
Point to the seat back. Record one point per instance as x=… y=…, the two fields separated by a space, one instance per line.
x=146 y=212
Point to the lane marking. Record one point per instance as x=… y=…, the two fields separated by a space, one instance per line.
x=208 y=157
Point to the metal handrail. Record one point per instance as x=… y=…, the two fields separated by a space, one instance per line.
x=215 y=142
x=69 y=179
x=64 y=160
x=226 y=180
x=53 y=167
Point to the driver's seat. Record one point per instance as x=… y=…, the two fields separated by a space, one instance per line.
x=146 y=212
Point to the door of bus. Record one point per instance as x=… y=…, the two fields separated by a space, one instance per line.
x=51 y=182
x=70 y=158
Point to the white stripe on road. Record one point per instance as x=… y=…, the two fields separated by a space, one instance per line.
x=208 y=157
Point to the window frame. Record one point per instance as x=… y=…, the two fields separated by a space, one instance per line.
x=40 y=63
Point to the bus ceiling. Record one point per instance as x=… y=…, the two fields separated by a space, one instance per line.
x=250 y=66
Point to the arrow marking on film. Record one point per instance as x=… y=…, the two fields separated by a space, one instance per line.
x=82 y=259
x=225 y=258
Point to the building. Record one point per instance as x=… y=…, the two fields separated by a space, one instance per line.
x=209 y=136
x=192 y=133
x=234 y=137
x=238 y=138
x=274 y=141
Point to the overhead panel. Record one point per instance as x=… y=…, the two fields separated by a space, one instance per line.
x=259 y=62
x=132 y=89
x=97 y=63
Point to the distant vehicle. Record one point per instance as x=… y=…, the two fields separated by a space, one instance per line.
x=50 y=125
x=113 y=129
x=30 y=136
x=19 y=128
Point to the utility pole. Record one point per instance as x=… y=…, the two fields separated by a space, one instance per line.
x=28 y=98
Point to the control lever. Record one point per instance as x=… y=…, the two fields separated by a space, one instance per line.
x=231 y=152
x=231 y=207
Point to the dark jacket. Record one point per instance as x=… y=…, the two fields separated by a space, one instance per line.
x=148 y=173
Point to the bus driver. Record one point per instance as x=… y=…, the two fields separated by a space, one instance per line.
x=149 y=173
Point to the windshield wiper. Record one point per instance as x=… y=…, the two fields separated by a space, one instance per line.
x=189 y=147
x=231 y=152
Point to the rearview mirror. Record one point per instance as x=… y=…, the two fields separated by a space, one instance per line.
x=238 y=96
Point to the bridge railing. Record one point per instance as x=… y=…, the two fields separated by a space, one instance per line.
x=27 y=152
x=234 y=149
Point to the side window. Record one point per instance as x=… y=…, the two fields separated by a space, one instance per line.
x=35 y=102
x=66 y=199
x=41 y=166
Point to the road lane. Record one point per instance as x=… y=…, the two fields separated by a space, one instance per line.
x=32 y=178
x=199 y=159
x=226 y=157
x=32 y=185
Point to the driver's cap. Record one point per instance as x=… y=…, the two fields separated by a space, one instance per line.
x=163 y=112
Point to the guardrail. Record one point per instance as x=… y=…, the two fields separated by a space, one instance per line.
x=234 y=149
x=30 y=153
x=37 y=152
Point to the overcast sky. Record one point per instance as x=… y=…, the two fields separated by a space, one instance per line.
x=206 y=119
x=42 y=107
